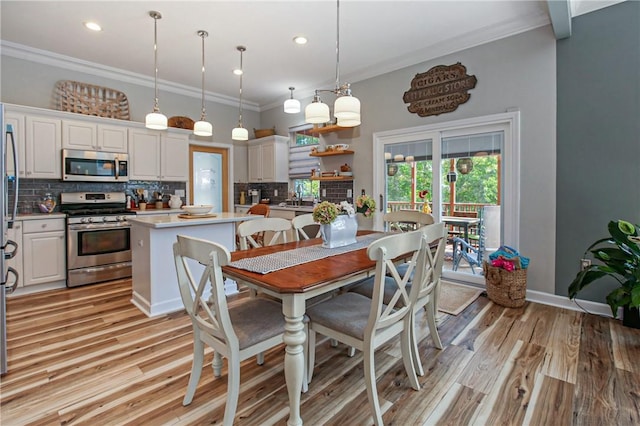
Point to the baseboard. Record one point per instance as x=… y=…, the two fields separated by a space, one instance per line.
x=558 y=301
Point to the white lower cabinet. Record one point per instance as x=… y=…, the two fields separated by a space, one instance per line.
x=44 y=251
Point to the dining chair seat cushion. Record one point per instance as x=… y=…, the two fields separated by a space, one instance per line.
x=365 y=288
x=346 y=313
x=256 y=320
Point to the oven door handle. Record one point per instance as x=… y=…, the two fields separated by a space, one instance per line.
x=96 y=226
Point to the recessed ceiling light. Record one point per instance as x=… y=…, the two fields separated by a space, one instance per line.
x=300 y=40
x=238 y=71
x=93 y=26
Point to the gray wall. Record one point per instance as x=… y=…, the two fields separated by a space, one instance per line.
x=517 y=72
x=598 y=135
x=29 y=83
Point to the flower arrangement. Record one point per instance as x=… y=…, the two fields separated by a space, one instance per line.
x=365 y=205
x=326 y=212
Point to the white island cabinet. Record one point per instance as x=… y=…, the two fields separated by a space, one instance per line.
x=155 y=285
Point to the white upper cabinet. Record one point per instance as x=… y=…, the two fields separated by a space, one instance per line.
x=43 y=143
x=89 y=136
x=158 y=156
x=268 y=159
x=17 y=122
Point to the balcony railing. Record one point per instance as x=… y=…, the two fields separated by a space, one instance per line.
x=393 y=206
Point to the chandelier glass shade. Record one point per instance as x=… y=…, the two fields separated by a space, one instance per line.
x=316 y=112
x=292 y=106
x=240 y=133
x=203 y=127
x=155 y=120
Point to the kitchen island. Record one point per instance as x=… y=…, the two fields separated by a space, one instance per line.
x=155 y=286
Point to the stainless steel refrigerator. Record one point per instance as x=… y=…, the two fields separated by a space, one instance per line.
x=8 y=248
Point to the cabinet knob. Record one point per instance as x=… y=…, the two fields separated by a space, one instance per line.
x=44 y=225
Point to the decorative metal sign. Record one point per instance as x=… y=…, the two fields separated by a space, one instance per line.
x=439 y=90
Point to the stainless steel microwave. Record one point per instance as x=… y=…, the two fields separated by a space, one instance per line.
x=94 y=166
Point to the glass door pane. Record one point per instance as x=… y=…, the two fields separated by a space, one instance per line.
x=471 y=199
x=409 y=176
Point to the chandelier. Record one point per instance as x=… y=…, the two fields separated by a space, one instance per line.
x=346 y=108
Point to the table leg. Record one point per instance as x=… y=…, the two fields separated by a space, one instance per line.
x=293 y=307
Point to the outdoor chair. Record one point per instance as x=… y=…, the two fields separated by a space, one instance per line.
x=236 y=333
x=488 y=240
x=367 y=324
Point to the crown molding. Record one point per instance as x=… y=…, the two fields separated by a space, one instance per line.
x=46 y=57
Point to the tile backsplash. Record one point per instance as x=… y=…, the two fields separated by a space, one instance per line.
x=336 y=191
x=31 y=191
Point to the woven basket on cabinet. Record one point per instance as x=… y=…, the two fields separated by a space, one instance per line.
x=88 y=99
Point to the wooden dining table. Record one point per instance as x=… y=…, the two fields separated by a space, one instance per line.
x=294 y=286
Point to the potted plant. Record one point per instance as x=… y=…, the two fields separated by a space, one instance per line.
x=618 y=256
x=338 y=224
x=365 y=205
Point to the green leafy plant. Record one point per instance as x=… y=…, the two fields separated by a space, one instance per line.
x=619 y=257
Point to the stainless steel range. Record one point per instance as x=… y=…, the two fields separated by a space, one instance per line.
x=98 y=237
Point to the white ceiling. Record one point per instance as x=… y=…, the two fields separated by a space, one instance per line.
x=375 y=37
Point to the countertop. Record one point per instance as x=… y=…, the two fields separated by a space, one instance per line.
x=40 y=216
x=306 y=209
x=173 y=221
x=156 y=211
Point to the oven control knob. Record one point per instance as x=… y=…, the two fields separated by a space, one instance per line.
x=85 y=220
x=89 y=220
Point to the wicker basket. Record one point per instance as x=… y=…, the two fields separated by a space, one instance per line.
x=506 y=288
x=82 y=98
x=261 y=133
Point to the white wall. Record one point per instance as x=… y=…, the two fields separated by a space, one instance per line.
x=518 y=72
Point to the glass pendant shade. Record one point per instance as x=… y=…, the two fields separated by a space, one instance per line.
x=292 y=106
x=347 y=111
x=202 y=128
x=240 y=134
x=155 y=121
x=316 y=113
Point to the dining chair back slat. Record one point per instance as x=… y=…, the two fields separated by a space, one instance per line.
x=299 y=224
x=277 y=225
x=406 y=220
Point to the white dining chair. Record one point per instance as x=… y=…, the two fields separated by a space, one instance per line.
x=277 y=225
x=366 y=324
x=300 y=222
x=428 y=284
x=400 y=220
x=236 y=333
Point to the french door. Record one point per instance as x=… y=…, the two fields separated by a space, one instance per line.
x=465 y=173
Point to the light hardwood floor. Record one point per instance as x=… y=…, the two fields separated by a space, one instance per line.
x=88 y=356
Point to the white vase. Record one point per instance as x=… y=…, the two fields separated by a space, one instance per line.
x=175 y=202
x=340 y=232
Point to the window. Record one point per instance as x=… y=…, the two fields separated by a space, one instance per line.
x=307 y=187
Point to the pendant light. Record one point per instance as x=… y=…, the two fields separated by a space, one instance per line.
x=240 y=133
x=292 y=106
x=346 y=108
x=155 y=119
x=203 y=127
